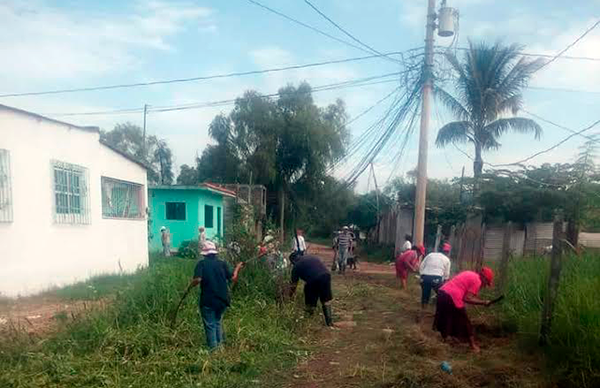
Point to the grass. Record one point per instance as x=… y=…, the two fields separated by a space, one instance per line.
x=130 y=343
x=574 y=350
x=376 y=253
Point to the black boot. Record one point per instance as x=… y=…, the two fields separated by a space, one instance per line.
x=327 y=314
x=310 y=310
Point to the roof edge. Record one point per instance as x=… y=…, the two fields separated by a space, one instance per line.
x=124 y=154
x=92 y=129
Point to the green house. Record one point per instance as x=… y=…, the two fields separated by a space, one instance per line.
x=183 y=209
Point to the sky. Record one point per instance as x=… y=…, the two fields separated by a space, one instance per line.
x=61 y=44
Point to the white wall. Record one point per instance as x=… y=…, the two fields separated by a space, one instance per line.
x=35 y=252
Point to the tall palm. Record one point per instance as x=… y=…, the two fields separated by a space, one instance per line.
x=487 y=98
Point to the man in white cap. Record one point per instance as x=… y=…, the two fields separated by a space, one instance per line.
x=213 y=275
x=165 y=239
x=344 y=244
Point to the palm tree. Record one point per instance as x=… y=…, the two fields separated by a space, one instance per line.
x=488 y=92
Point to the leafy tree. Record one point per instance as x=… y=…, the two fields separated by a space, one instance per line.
x=188 y=176
x=279 y=143
x=488 y=90
x=155 y=153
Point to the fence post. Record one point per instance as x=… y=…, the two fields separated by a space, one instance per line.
x=505 y=256
x=553 y=280
x=438 y=238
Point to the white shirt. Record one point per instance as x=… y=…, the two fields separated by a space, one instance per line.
x=407 y=246
x=435 y=264
x=300 y=245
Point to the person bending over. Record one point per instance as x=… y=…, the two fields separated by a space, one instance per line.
x=317 y=284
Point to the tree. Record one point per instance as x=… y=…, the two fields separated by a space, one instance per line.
x=488 y=90
x=280 y=142
x=155 y=153
x=188 y=176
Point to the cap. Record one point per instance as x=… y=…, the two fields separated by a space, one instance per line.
x=345 y=228
x=488 y=274
x=209 y=248
x=162 y=228
x=446 y=247
x=421 y=250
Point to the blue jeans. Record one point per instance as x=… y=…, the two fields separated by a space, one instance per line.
x=213 y=326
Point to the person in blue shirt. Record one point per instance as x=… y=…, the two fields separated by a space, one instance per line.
x=213 y=275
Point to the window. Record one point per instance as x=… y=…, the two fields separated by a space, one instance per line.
x=208 y=216
x=121 y=199
x=70 y=194
x=219 y=221
x=175 y=211
x=5 y=188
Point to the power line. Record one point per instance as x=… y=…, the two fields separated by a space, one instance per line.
x=345 y=32
x=575 y=133
x=296 y=21
x=199 y=78
x=368 y=81
x=571 y=45
x=537 y=55
x=559 y=126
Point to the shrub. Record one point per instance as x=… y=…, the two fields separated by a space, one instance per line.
x=188 y=249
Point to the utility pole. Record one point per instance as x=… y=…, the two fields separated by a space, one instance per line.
x=144 y=132
x=419 y=225
x=462 y=177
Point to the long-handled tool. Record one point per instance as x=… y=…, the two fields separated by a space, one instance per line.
x=176 y=311
x=496 y=300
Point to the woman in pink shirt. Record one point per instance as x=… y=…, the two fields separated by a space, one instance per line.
x=408 y=261
x=451 y=317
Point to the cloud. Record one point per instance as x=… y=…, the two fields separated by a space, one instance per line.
x=43 y=42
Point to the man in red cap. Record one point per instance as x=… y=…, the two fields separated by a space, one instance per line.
x=408 y=261
x=451 y=317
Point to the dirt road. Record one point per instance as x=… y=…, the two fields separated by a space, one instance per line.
x=380 y=343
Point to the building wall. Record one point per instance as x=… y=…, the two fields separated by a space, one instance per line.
x=195 y=201
x=38 y=253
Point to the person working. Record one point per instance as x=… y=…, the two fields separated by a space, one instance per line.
x=434 y=269
x=451 y=317
x=201 y=238
x=317 y=284
x=344 y=244
x=165 y=239
x=299 y=245
x=335 y=247
x=408 y=261
x=407 y=243
x=213 y=274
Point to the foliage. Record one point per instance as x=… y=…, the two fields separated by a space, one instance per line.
x=188 y=249
x=487 y=89
x=155 y=153
x=188 y=176
x=574 y=346
x=281 y=143
x=375 y=253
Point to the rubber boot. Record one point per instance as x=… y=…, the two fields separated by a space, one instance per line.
x=310 y=310
x=327 y=314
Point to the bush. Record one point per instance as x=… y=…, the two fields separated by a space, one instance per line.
x=376 y=253
x=188 y=249
x=575 y=338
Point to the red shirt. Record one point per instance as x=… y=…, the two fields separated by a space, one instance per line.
x=407 y=260
x=463 y=283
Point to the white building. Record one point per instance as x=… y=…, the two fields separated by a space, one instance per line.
x=70 y=206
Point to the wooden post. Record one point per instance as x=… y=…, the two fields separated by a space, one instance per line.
x=553 y=280
x=505 y=257
x=438 y=238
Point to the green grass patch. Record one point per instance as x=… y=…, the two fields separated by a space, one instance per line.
x=130 y=343
x=375 y=253
x=574 y=350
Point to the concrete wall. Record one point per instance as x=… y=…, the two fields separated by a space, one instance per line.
x=38 y=253
x=195 y=200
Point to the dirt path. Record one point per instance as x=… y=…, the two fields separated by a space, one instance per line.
x=381 y=344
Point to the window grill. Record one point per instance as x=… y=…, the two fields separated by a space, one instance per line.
x=121 y=199
x=6 y=208
x=71 y=194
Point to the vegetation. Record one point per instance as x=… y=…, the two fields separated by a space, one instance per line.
x=574 y=350
x=488 y=88
x=154 y=153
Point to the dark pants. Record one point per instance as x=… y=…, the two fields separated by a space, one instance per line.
x=428 y=283
x=213 y=326
x=450 y=320
x=318 y=289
